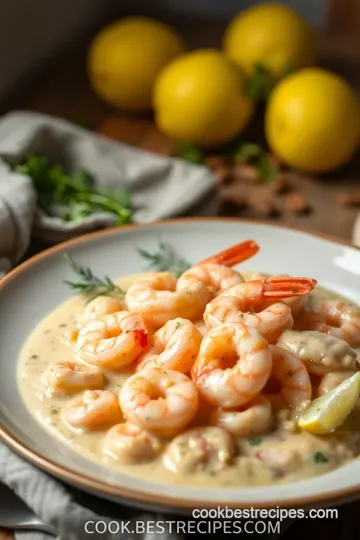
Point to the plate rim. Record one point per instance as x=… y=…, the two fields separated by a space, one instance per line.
x=124 y=492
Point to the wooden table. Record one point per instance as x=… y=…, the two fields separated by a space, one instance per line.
x=62 y=90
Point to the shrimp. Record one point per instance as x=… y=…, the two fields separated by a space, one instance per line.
x=289 y=371
x=201 y=326
x=297 y=304
x=113 y=341
x=233 y=365
x=175 y=346
x=344 y=319
x=198 y=449
x=71 y=377
x=239 y=304
x=332 y=380
x=99 y=306
x=253 y=418
x=216 y=271
x=162 y=402
x=159 y=297
x=93 y=410
x=321 y=353
x=333 y=317
x=216 y=277
x=130 y=444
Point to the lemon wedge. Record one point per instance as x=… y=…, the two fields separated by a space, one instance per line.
x=329 y=411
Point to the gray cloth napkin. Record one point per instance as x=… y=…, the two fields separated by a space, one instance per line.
x=66 y=509
x=161 y=187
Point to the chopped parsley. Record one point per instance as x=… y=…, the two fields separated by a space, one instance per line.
x=319 y=457
x=254 y=441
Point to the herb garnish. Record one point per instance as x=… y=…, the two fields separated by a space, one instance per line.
x=72 y=196
x=189 y=153
x=319 y=457
x=89 y=283
x=165 y=260
x=262 y=82
x=254 y=441
x=253 y=154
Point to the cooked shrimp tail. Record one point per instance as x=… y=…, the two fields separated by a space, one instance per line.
x=234 y=254
x=283 y=287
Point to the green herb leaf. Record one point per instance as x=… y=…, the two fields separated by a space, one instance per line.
x=260 y=83
x=189 y=153
x=76 y=191
x=247 y=152
x=253 y=153
x=89 y=283
x=288 y=69
x=319 y=457
x=268 y=171
x=165 y=260
x=254 y=441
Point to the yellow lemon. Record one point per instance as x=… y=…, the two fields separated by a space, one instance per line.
x=272 y=34
x=329 y=411
x=125 y=58
x=200 y=98
x=312 y=120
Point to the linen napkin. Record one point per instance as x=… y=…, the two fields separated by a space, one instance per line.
x=160 y=187
x=67 y=510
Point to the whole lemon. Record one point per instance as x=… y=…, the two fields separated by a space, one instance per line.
x=270 y=34
x=312 y=120
x=199 y=98
x=125 y=58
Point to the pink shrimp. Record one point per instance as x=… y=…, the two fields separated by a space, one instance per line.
x=94 y=410
x=159 y=297
x=233 y=365
x=158 y=401
x=112 y=341
x=239 y=304
x=128 y=443
x=64 y=378
x=342 y=320
x=216 y=271
x=337 y=318
x=175 y=346
x=290 y=372
x=253 y=418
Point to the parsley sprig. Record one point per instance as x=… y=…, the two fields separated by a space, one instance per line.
x=165 y=259
x=89 y=283
x=76 y=192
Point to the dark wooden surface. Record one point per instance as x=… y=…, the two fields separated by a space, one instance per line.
x=62 y=90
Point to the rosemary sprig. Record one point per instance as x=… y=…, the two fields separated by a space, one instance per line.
x=89 y=283
x=165 y=260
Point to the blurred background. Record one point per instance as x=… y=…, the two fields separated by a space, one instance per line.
x=31 y=33
x=46 y=65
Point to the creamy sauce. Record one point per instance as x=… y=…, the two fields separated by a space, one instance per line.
x=284 y=455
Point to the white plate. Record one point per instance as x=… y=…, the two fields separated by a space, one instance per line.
x=33 y=289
